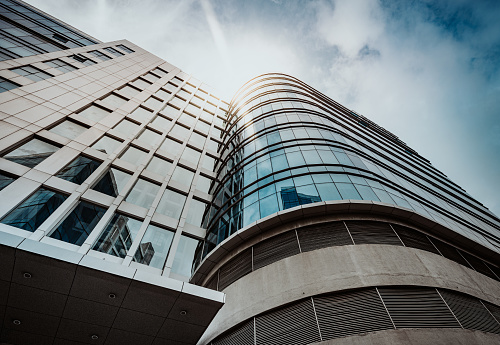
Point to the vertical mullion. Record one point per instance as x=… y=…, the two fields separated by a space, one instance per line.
x=352 y=239
x=298 y=242
x=451 y=311
x=404 y=245
x=316 y=317
x=386 y=310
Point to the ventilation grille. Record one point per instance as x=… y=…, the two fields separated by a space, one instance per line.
x=275 y=249
x=470 y=312
x=417 y=308
x=242 y=335
x=368 y=232
x=494 y=310
x=236 y=268
x=293 y=324
x=414 y=239
x=346 y=314
x=323 y=236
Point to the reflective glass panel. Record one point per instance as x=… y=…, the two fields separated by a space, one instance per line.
x=171 y=146
x=112 y=182
x=141 y=114
x=133 y=155
x=5 y=180
x=184 y=256
x=149 y=137
x=68 y=129
x=203 y=184
x=153 y=103
x=94 y=113
x=79 y=169
x=143 y=193
x=182 y=176
x=127 y=127
x=32 y=212
x=159 y=166
x=31 y=153
x=161 y=122
x=106 y=144
x=171 y=204
x=191 y=155
x=195 y=212
x=114 y=101
x=154 y=247
x=118 y=236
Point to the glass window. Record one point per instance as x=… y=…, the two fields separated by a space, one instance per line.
x=82 y=59
x=179 y=132
x=112 y=182
x=153 y=103
x=171 y=204
x=170 y=111
x=6 y=85
x=68 y=129
x=202 y=127
x=5 y=180
x=32 y=73
x=160 y=72
x=141 y=84
x=114 y=101
x=79 y=169
x=143 y=193
x=184 y=256
x=208 y=163
x=94 y=113
x=203 y=184
x=193 y=109
x=159 y=166
x=196 y=212
x=191 y=155
x=61 y=65
x=134 y=156
x=161 y=122
x=141 y=114
x=32 y=212
x=171 y=87
x=348 y=191
x=99 y=55
x=31 y=153
x=182 y=176
x=127 y=127
x=129 y=91
x=79 y=223
x=118 y=236
x=177 y=101
x=163 y=94
x=197 y=140
x=187 y=119
x=149 y=137
x=125 y=49
x=171 y=146
x=113 y=51
x=154 y=247
x=106 y=144
x=212 y=145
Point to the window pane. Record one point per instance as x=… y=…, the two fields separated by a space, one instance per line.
x=141 y=114
x=79 y=224
x=106 y=144
x=32 y=212
x=348 y=191
x=143 y=193
x=191 y=155
x=161 y=122
x=203 y=184
x=171 y=146
x=182 y=176
x=114 y=101
x=184 y=256
x=118 y=236
x=149 y=137
x=129 y=91
x=68 y=129
x=127 y=127
x=31 y=153
x=196 y=212
x=133 y=155
x=79 y=169
x=94 y=113
x=159 y=166
x=5 y=180
x=179 y=132
x=112 y=182
x=171 y=204
x=153 y=103
x=154 y=247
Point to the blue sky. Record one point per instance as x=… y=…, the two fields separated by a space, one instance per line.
x=428 y=71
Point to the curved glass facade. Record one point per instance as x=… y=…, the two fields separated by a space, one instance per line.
x=287 y=145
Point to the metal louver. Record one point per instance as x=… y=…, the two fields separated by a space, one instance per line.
x=450 y=252
x=478 y=265
x=235 y=268
x=370 y=232
x=275 y=249
x=414 y=239
x=494 y=310
x=294 y=324
x=323 y=236
x=212 y=283
x=417 y=308
x=341 y=315
x=241 y=335
x=470 y=312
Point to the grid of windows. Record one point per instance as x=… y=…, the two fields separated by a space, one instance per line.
x=61 y=65
x=99 y=55
x=82 y=59
x=32 y=73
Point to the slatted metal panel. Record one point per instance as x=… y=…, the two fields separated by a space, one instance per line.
x=417 y=308
x=345 y=314
x=274 y=249
x=495 y=270
x=294 y=324
x=323 y=236
x=414 y=239
x=369 y=232
x=494 y=310
x=449 y=252
x=235 y=268
x=241 y=335
x=470 y=312
x=478 y=264
x=212 y=282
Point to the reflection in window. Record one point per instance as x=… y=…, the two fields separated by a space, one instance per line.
x=79 y=223
x=94 y=113
x=182 y=176
x=99 y=55
x=159 y=166
x=118 y=236
x=184 y=256
x=203 y=184
x=154 y=247
x=149 y=137
x=171 y=146
x=171 y=204
x=125 y=49
x=143 y=193
x=61 y=65
x=79 y=169
x=32 y=73
x=141 y=114
x=112 y=182
x=195 y=213
x=5 y=180
x=126 y=127
x=68 y=129
x=106 y=144
x=32 y=212
x=31 y=153
x=133 y=155
x=114 y=101
x=113 y=51
x=6 y=85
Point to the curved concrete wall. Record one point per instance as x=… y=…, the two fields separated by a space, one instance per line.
x=342 y=268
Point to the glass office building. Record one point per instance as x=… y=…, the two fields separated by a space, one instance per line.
x=137 y=207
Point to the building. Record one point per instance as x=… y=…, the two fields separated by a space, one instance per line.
x=137 y=207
